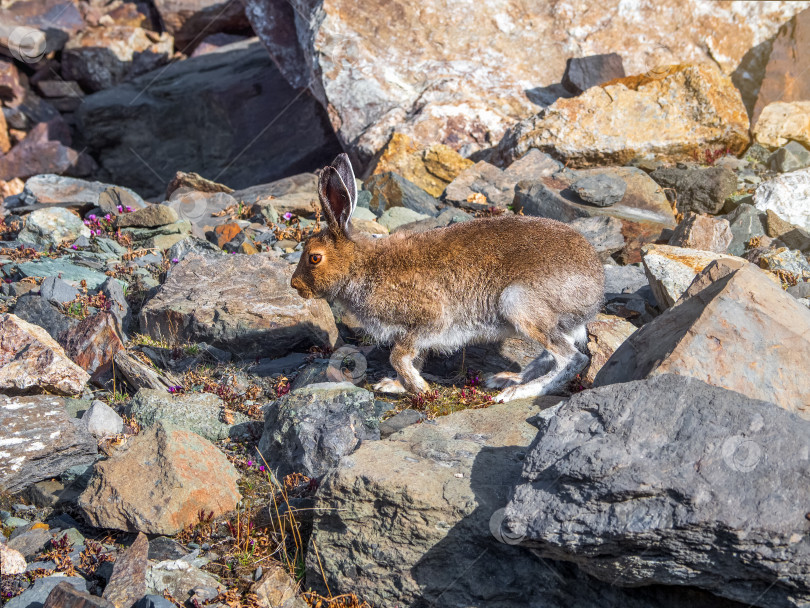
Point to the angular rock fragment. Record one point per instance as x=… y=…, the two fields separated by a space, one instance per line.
x=731 y=312
x=31 y=361
x=39 y=441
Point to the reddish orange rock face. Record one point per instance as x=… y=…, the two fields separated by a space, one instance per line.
x=226 y=233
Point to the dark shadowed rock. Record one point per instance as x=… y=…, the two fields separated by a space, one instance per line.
x=234 y=96
x=65 y=595
x=40 y=440
x=697 y=190
x=582 y=73
x=309 y=430
x=240 y=303
x=678 y=465
x=38 y=311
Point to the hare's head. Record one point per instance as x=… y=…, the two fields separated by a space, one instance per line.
x=324 y=265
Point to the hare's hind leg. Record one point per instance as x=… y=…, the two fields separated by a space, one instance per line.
x=550 y=372
x=404 y=359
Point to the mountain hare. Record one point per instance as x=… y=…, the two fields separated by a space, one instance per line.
x=476 y=281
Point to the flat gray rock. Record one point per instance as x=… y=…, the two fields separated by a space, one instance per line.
x=671 y=481
x=39 y=441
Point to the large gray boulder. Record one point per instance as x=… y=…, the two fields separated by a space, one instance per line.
x=671 y=481
x=407 y=521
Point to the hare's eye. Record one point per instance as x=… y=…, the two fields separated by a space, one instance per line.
x=315 y=258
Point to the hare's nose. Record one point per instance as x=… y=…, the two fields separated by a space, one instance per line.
x=296 y=283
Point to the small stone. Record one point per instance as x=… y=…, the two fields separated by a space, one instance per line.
x=402 y=420
x=703 y=232
x=127 y=584
x=102 y=421
x=311 y=428
x=276 y=588
x=792 y=236
x=394 y=217
x=603 y=232
x=671 y=270
x=600 y=190
x=119 y=307
x=788 y=195
x=790 y=157
x=53 y=226
x=697 y=190
x=38 y=311
x=430 y=169
x=31 y=542
x=225 y=233
x=150 y=216
x=93 y=343
x=116 y=200
x=781 y=121
x=746 y=222
x=582 y=73
x=605 y=335
x=389 y=191
x=190 y=244
x=13 y=561
x=788 y=261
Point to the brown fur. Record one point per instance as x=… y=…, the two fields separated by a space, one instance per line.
x=472 y=281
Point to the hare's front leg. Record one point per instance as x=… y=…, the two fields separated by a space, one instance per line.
x=408 y=379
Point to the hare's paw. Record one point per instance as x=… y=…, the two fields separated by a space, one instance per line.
x=389 y=385
x=502 y=380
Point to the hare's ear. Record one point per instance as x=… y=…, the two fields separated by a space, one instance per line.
x=344 y=169
x=336 y=201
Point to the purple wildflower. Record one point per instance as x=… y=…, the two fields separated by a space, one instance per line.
x=288 y=216
x=261 y=468
x=74 y=246
x=107 y=217
x=250 y=463
x=129 y=209
x=175 y=260
x=92 y=217
x=120 y=209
